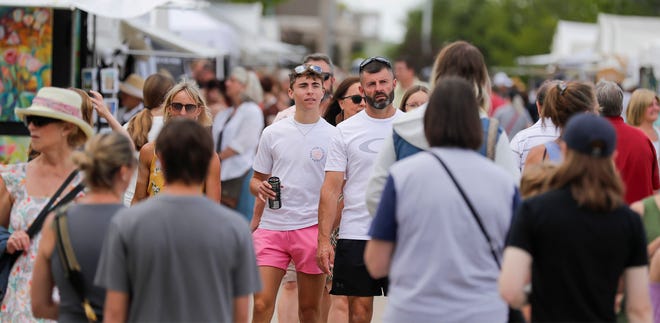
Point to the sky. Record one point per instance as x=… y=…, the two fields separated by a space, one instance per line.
x=393 y=15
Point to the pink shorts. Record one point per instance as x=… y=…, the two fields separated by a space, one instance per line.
x=278 y=248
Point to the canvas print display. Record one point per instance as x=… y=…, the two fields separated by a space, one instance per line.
x=14 y=149
x=26 y=43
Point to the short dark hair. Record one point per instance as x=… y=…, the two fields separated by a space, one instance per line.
x=375 y=64
x=452 y=115
x=184 y=148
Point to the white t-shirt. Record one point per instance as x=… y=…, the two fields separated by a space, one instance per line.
x=296 y=153
x=157 y=123
x=353 y=151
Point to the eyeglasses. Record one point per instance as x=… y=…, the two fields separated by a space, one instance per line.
x=412 y=105
x=357 y=99
x=180 y=106
x=326 y=76
x=370 y=60
x=38 y=121
x=306 y=67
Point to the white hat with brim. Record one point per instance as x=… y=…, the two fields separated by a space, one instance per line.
x=60 y=104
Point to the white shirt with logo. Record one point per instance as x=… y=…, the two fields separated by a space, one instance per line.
x=353 y=151
x=296 y=153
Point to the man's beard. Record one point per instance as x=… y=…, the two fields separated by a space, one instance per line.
x=380 y=105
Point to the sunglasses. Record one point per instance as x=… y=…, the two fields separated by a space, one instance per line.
x=180 y=106
x=378 y=59
x=38 y=121
x=306 y=67
x=357 y=99
x=326 y=76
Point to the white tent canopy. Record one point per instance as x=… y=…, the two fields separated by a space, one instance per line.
x=573 y=44
x=119 y=9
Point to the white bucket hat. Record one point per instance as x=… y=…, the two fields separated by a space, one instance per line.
x=60 y=104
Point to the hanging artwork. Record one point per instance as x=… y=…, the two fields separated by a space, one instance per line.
x=26 y=45
x=14 y=149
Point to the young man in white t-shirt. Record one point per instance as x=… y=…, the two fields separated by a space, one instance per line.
x=294 y=150
x=350 y=159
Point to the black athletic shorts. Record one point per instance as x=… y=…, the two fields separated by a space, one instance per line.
x=350 y=276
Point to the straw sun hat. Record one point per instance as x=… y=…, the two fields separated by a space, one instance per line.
x=132 y=86
x=60 y=104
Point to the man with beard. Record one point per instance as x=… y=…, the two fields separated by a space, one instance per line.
x=350 y=158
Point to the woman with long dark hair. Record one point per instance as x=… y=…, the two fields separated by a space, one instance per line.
x=577 y=240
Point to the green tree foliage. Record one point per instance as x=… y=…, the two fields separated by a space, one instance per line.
x=506 y=29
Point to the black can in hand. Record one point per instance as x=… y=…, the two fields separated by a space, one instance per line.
x=275 y=186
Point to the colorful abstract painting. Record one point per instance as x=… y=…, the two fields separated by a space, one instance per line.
x=14 y=149
x=26 y=45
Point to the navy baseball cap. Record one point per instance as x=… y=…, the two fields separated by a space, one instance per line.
x=590 y=134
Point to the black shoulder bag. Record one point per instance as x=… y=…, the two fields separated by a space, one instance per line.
x=514 y=315
x=7 y=260
x=70 y=264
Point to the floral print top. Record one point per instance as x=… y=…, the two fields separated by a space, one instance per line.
x=16 y=306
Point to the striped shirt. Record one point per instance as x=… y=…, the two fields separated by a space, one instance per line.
x=527 y=139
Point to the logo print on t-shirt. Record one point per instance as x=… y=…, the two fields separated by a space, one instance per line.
x=317 y=154
x=367 y=146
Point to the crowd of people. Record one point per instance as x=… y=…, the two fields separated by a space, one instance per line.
x=312 y=192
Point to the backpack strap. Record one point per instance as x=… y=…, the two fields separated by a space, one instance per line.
x=69 y=262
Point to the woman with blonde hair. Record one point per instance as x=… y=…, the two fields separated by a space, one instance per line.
x=642 y=112
x=184 y=100
x=107 y=162
x=577 y=240
x=56 y=129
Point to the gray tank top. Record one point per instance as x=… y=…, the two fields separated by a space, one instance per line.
x=88 y=224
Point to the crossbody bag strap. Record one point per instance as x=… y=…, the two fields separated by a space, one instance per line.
x=48 y=207
x=218 y=147
x=41 y=218
x=472 y=209
x=69 y=262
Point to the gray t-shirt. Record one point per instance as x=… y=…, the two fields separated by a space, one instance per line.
x=180 y=258
x=87 y=224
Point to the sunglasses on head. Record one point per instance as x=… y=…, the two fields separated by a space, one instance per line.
x=306 y=67
x=38 y=121
x=357 y=99
x=379 y=59
x=180 y=106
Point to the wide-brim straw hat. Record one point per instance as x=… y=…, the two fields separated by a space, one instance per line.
x=133 y=86
x=60 y=104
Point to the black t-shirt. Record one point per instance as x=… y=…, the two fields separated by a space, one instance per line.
x=578 y=255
